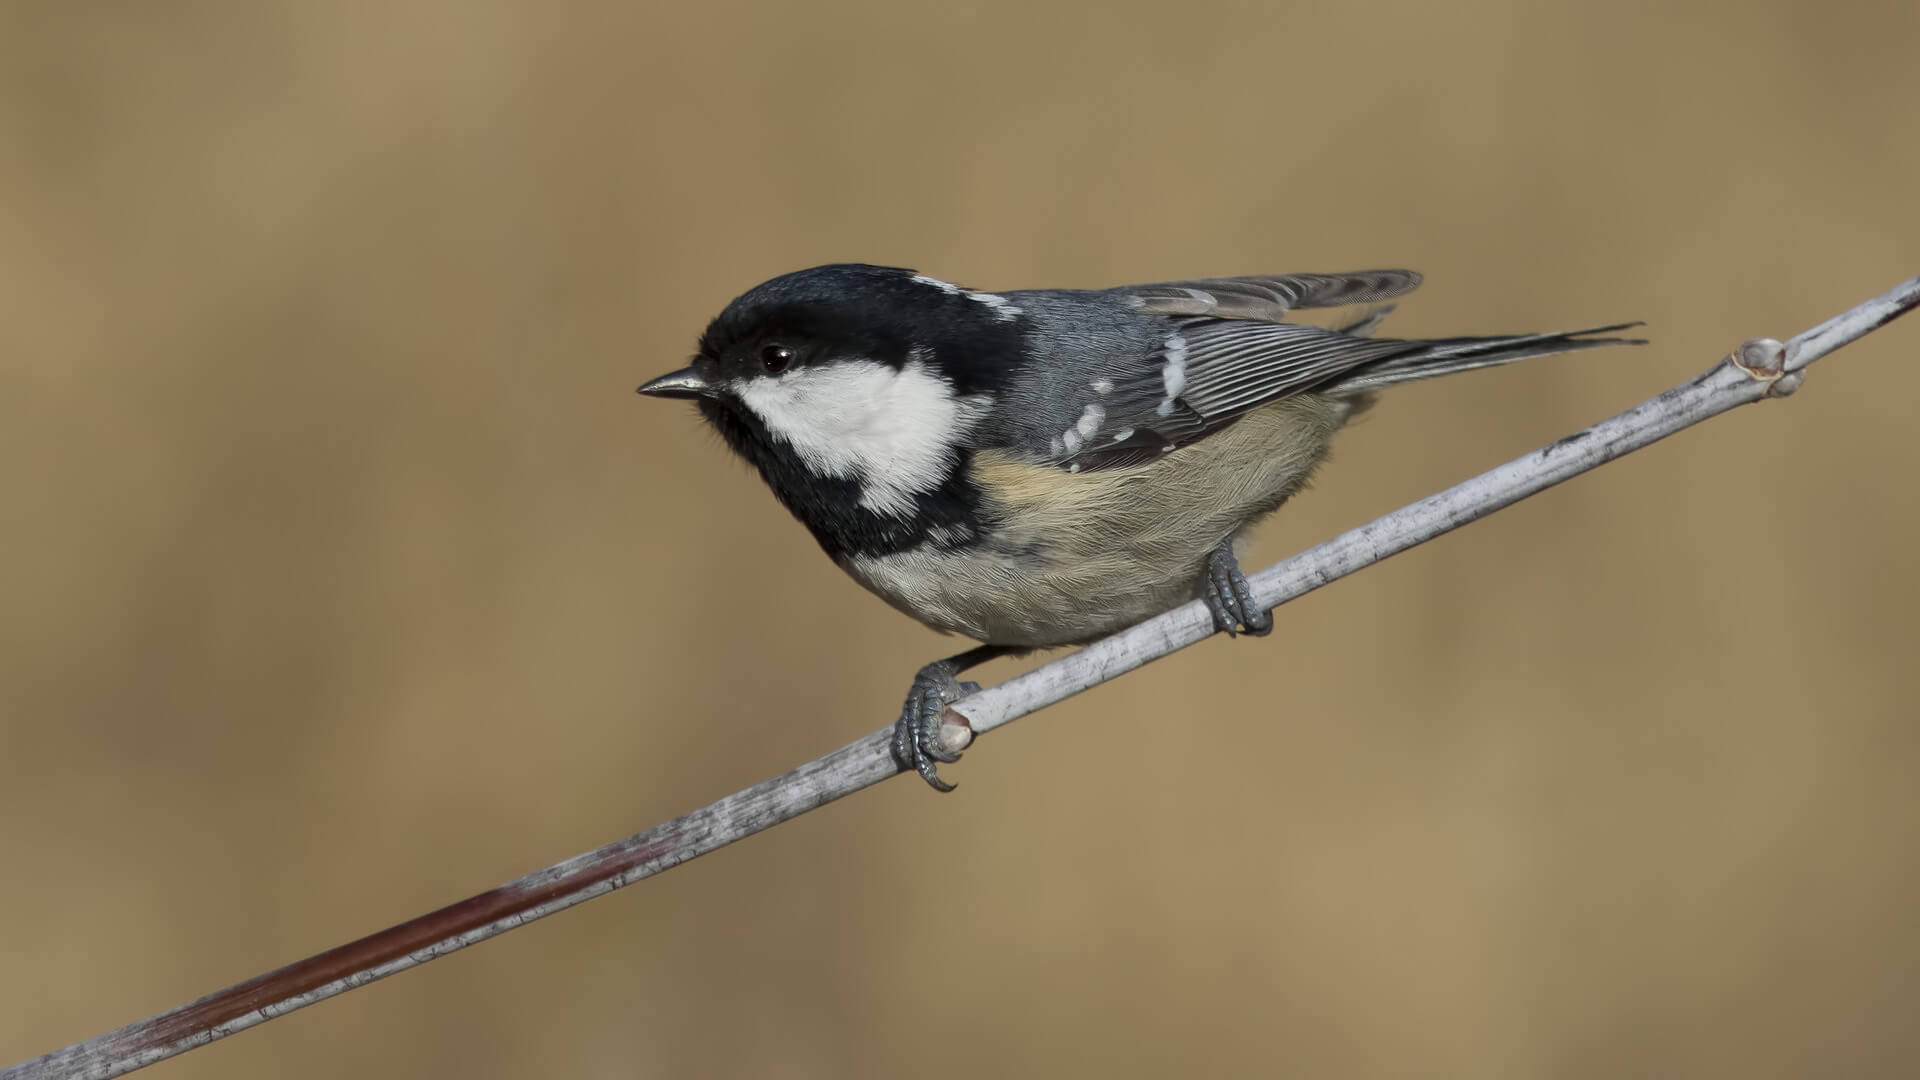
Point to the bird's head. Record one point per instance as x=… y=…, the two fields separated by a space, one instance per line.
x=849 y=374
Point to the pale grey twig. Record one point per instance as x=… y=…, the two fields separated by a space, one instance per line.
x=1758 y=369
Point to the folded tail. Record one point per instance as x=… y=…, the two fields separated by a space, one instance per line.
x=1449 y=355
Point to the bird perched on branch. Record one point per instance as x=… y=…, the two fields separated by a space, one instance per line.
x=1046 y=467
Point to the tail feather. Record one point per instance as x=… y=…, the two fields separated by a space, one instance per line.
x=1448 y=356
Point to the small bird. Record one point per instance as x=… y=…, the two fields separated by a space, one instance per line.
x=1045 y=467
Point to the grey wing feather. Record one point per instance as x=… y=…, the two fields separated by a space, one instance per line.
x=1226 y=368
x=1267 y=298
x=1233 y=367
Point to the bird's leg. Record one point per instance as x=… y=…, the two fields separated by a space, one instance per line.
x=1229 y=597
x=916 y=737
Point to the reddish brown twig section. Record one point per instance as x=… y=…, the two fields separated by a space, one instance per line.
x=852 y=767
x=1761 y=368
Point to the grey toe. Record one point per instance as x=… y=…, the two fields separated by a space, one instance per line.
x=1229 y=597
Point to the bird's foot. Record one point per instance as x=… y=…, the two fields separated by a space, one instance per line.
x=1230 y=598
x=916 y=736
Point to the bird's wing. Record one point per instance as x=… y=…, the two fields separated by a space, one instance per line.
x=1266 y=298
x=1211 y=372
x=1207 y=374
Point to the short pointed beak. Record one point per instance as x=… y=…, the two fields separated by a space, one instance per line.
x=685 y=383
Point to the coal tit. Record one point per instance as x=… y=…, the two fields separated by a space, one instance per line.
x=1046 y=467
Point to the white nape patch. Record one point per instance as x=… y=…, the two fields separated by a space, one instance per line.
x=1072 y=441
x=1003 y=309
x=1173 y=377
x=1101 y=386
x=947 y=287
x=1123 y=435
x=1090 y=421
x=892 y=430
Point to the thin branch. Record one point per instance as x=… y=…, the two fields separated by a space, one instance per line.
x=1758 y=369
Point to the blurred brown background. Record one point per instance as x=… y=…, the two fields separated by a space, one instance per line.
x=345 y=576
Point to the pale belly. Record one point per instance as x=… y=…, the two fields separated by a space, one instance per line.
x=1028 y=600
x=1079 y=556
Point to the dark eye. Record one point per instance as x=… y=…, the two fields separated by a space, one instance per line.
x=775 y=358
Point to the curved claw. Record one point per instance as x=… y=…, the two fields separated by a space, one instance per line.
x=931 y=774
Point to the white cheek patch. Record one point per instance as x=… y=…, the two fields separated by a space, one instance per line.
x=895 y=431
